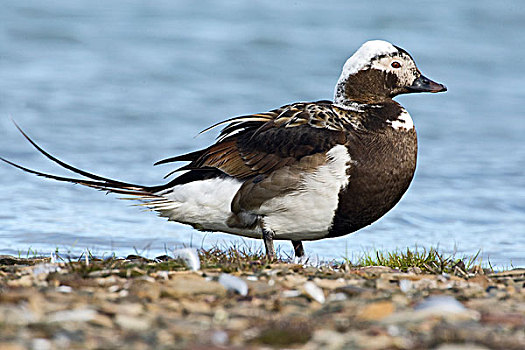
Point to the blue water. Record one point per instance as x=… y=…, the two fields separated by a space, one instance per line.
x=114 y=86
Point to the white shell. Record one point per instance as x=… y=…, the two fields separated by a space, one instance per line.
x=234 y=283
x=190 y=257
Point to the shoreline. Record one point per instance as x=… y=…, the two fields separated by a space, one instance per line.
x=244 y=302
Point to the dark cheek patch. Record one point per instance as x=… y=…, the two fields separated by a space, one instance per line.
x=392 y=83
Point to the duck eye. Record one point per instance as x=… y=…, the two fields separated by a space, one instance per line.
x=396 y=64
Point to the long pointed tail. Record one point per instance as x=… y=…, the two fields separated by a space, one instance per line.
x=95 y=181
x=165 y=199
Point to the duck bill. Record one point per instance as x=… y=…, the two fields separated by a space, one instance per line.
x=423 y=84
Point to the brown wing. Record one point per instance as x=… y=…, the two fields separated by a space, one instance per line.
x=259 y=144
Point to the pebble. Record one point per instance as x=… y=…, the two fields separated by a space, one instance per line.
x=219 y=338
x=45 y=269
x=439 y=304
x=41 y=344
x=78 y=315
x=314 y=292
x=326 y=339
x=459 y=346
x=376 y=311
x=64 y=289
x=294 y=293
x=132 y=323
x=17 y=315
x=190 y=286
x=405 y=285
x=337 y=297
x=443 y=306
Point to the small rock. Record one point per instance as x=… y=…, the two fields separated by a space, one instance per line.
x=130 y=309
x=79 y=315
x=189 y=285
x=443 y=306
x=18 y=316
x=294 y=293
x=11 y=346
x=132 y=323
x=314 y=292
x=195 y=307
x=101 y=321
x=145 y=290
x=385 y=283
x=41 y=344
x=460 y=346
x=376 y=311
x=220 y=316
x=406 y=285
x=262 y=289
x=293 y=281
x=219 y=338
x=337 y=297
x=326 y=339
x=162 y=275
x=482 y=280
x=233 y=283
x=440 y=304
x=64 y=289
x=511 y=319
x=329 y=284
x=376 y=269
x=24 y=282
x=375 y=342
x=352 y=291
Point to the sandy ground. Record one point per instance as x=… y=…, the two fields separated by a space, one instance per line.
x=140 y=304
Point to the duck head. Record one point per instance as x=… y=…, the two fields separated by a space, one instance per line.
x=379 y=71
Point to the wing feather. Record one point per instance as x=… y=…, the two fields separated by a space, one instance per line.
x=258 y=144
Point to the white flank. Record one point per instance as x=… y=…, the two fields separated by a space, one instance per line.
x=308 y=212
x=403 y=121
x=206 y=203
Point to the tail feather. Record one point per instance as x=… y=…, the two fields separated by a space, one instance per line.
x=103 y=185
x=156 y=198
x=94 y=181
x=65 y=165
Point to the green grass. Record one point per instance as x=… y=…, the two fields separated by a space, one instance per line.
x=429 y=261
x=235 y=258
x=246 y=258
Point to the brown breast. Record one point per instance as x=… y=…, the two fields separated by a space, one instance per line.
x=384 y=165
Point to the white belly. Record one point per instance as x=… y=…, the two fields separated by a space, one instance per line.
x=307 y=214
x=204 y=204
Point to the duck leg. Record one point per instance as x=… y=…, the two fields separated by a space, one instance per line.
x=268 y=244
x=298 y=248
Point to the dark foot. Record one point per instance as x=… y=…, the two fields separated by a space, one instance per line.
x=268 y=244
x=298 y=248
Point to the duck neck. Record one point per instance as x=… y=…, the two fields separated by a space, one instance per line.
x=361 y=89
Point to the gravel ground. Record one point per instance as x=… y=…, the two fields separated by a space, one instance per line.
x=136 y=303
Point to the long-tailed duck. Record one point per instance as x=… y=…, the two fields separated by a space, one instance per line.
x=304 y=171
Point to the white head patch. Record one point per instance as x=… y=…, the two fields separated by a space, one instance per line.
x=363 y=57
